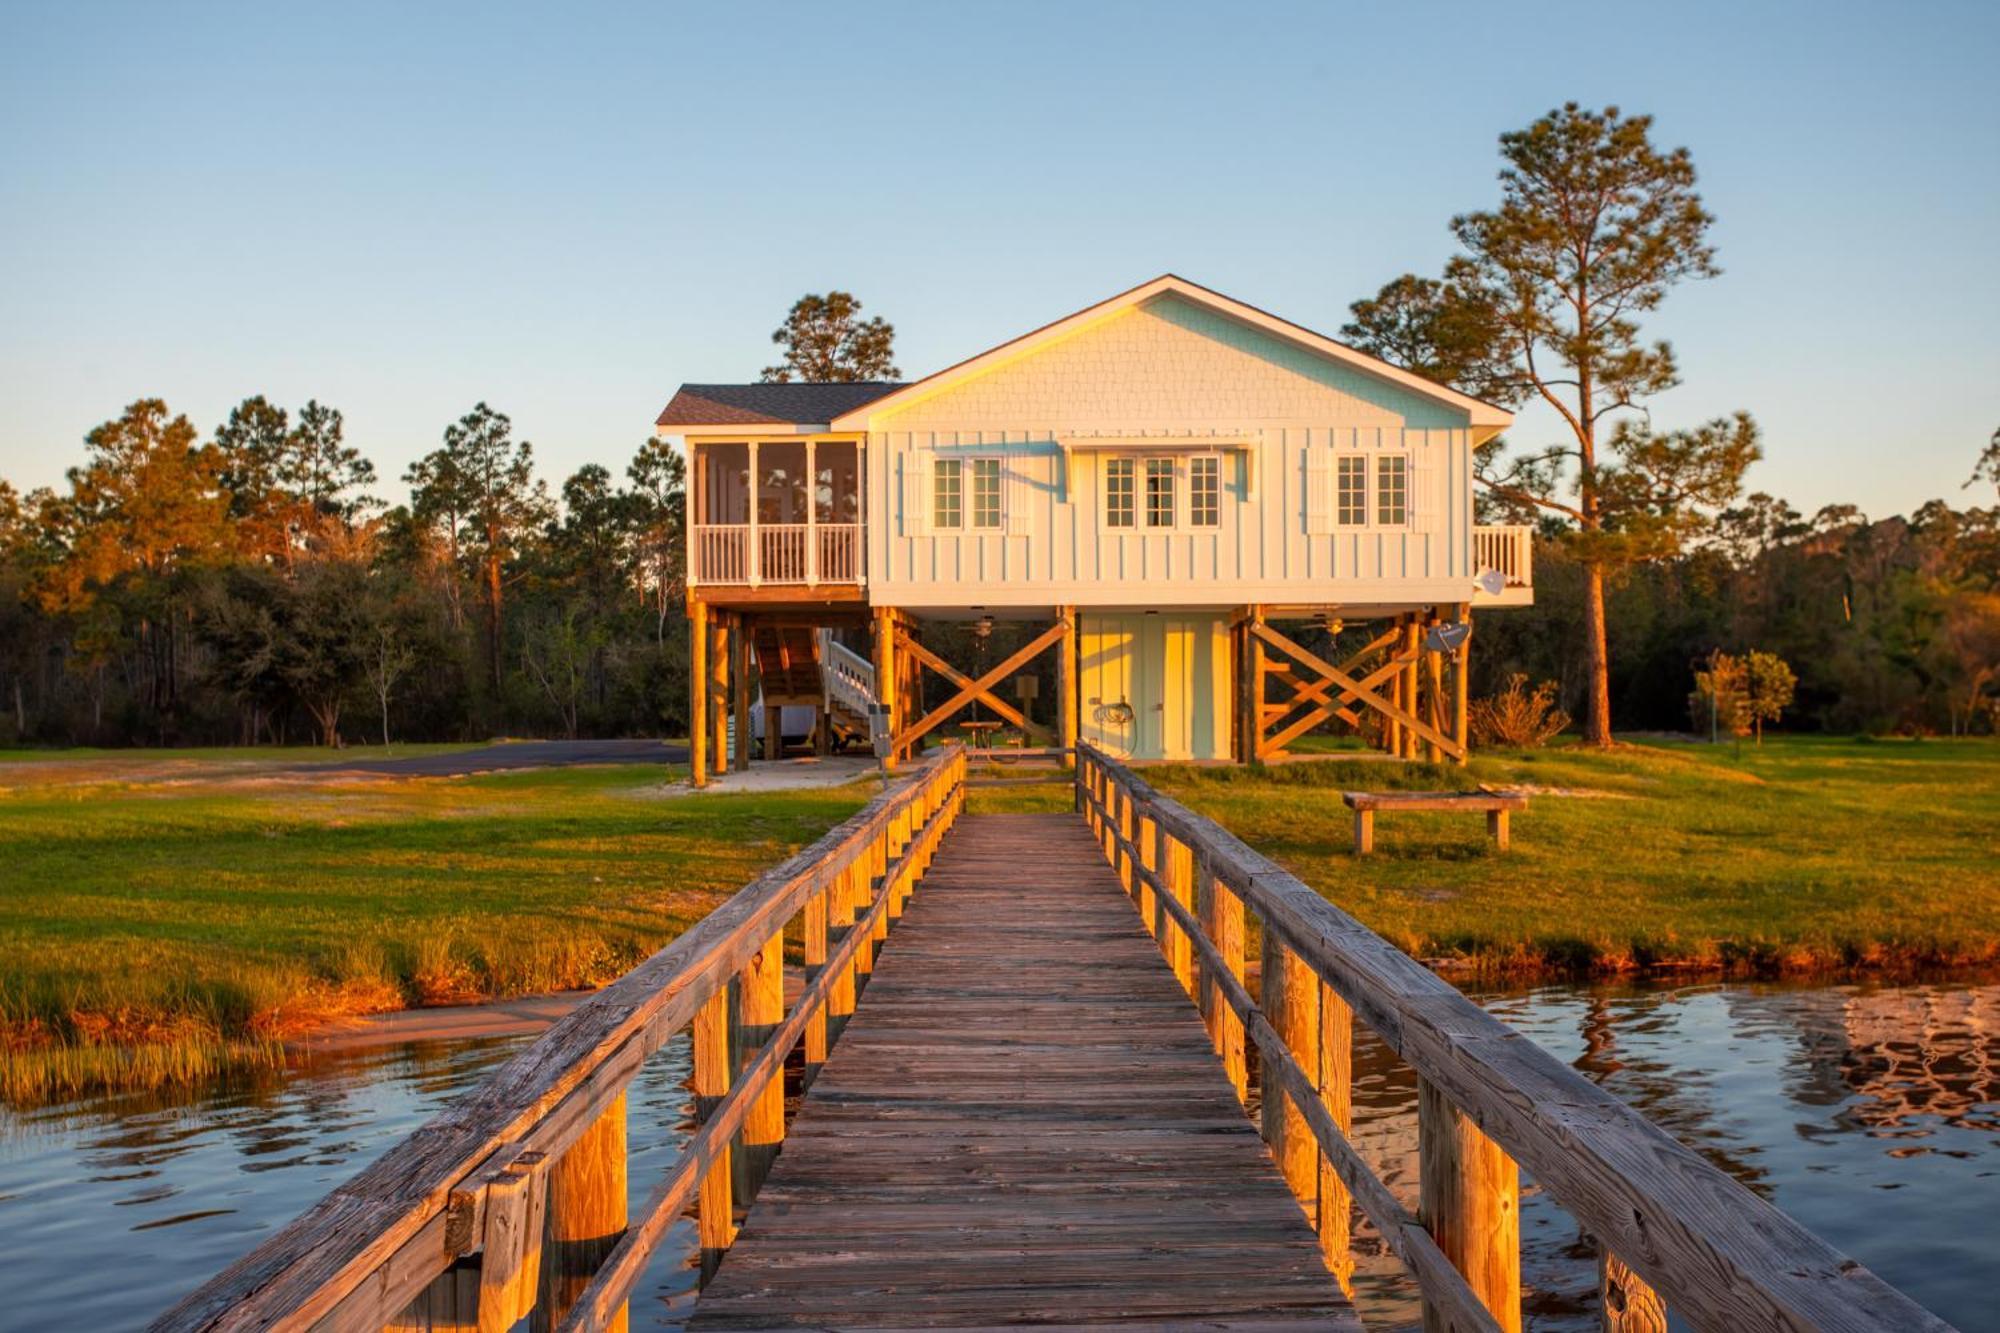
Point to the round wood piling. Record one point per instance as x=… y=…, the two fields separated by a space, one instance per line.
x=718 y=696
x=586 y=1212
x=1630 y=1306
x=1469 y=1199
x=760 y=1008
x=1291 y=1002
x=1336 y=1090
x=716 y=1214
x=698 y=694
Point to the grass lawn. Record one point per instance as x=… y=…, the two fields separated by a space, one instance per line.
x=1811 y=853
x=152 y=930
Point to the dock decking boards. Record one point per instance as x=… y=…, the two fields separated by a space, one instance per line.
x=1023 y=1124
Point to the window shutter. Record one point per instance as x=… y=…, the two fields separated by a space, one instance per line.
x=1426 y=489
x=916 y=492
x=1017 y=496
x=1319 y=491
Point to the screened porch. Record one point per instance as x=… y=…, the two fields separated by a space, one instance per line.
x=784 y=511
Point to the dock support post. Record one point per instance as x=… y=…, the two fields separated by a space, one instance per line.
x=758 y=1011
x=698 y=693
x=1630 y=1306
x=1291 y=1002
x=586 y=1212
x=716 y=1214
x=1179 y=861
x=1336 y=1090
x=1150 y=912
x=1469 y=1199
x=1222 y=913
x=510 y=1263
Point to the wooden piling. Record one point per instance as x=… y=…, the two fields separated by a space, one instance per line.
x=739 y=672
x=1067 y=677
x=1180 y=885
x=1469 y=1199
x=586 y=1212
x=718 y=695
x=1223 y=915
x=886 y=681
x=1336 y=1090
x=759 y=1009
x=510 y=1262
x=716 y=1216
x=1461 y=730
x=1629 y=1305
x=817 y=921
x=698 y=693
x=1291 y=1003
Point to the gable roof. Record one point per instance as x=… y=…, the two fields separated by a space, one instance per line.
x=1481 y=414
x=793 y=404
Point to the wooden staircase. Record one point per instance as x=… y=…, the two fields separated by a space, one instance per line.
x=806 y=666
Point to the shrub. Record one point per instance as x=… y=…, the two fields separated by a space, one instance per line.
x=1518 y=716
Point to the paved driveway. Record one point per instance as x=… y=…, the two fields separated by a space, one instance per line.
x=513 y=754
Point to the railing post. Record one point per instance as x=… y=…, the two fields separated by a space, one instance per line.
x=510 y=1263
x=1469 y=1199
x=759 y=1009
x=1180 y=884
x=716 y=1221
x=1336 y=1090
x=1630 y=1306
x=1146 y=837
x=1222 y=913
x=1290 y=1002
x=816 y=933
x=586 y=1212
x=840 y=920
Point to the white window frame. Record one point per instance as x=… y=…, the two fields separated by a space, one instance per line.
x=1132 y=493
x=940 y=468
x=1192 y=522
x=1173 y=476
x=1375 y=489
x=973 y=474
x=1340 y=511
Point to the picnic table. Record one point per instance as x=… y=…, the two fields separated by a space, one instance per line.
x=1497 y=805
x=981 y=732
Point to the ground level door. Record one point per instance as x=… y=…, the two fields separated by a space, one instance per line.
x=1155 y=686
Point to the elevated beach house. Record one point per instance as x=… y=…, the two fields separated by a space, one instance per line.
x=1228 y=529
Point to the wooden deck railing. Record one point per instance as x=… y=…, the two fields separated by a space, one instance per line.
x=1673 y=1231
x=448 y=1227
x=1509 y=548
x=743 y=554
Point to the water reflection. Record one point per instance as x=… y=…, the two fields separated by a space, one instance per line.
x=162 y=1191
x=1871 y=1113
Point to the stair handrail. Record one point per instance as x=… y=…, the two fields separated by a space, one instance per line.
x=846 y=677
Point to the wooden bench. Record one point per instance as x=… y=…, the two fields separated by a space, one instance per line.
x=1498 y=805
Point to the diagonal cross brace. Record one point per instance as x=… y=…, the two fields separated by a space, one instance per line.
x=1317 y=694
x=1360 y=691
x=973 y=689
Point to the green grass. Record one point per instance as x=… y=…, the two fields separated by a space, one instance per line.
x=1809 y=854
x=151 y=932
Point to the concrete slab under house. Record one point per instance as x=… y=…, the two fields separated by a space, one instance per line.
x=1222 y=531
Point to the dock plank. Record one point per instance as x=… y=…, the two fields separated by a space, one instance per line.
x=1023 y=1124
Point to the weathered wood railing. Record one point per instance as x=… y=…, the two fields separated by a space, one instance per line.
x=513 y=1200
x=1673 y=1231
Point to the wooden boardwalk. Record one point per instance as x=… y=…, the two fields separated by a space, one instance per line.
x=1024 y=1124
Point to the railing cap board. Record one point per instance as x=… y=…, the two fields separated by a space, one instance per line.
x=309 y=1267
x=1721 y=1256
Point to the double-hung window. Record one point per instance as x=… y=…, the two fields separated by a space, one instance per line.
x=1119 y=492
x=1392 y=490
x=1204 y=492
x=985 y=492
x=966 y=493
x=948 y=494
x=1350 y=482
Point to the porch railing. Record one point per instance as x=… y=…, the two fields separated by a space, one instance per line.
x=752 y=554
x=1508 y=548
x=847 y=677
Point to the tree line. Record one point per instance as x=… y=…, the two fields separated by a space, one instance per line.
x=250 y=587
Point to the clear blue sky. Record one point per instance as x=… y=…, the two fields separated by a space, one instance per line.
x=567 y=210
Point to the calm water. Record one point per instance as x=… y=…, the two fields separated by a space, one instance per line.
x=1872 y=1114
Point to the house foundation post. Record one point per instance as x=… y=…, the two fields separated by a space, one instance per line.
x=1066 y=685
x=1258 y=668
x=698 y=693
x=739 y=670
x=1461 y=731
x=886 y=680
x=718 y=694
x=1412 y=649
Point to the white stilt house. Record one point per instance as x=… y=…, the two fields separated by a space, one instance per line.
x=1164 y=479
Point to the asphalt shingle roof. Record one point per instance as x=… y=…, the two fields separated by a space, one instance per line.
x=769 y=404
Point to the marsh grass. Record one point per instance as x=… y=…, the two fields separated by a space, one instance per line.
x=157 y=933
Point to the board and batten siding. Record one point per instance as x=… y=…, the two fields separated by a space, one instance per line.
x=1170 y=369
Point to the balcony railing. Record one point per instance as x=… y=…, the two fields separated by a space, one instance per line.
x=750 y=556
x=1508 y=548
